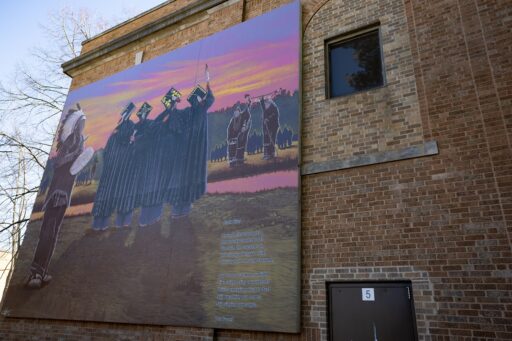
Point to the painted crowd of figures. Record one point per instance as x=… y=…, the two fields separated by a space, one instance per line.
x=155 y=161
x=285 y=138
x=146 y=164
x=240 y=126
x=164 y=161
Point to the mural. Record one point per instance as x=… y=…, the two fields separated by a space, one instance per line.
x=171 y=193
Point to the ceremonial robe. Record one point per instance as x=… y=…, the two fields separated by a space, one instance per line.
x=188 y=176
x=116 y=182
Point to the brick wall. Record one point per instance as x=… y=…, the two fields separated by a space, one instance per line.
x=443 y=221
x=371 y=121
x=186 y=31
x=37 y=330
x=165 y=8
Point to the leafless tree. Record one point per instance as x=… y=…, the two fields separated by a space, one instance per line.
x=30 y=106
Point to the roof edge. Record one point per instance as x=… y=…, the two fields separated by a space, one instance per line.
x=127 y=21
x=141 y=32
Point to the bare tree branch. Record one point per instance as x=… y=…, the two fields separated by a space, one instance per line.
x=31 y=103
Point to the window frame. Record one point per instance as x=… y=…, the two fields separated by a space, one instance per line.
x=346 y=37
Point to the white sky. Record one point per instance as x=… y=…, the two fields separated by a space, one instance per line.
x=20 y=22
x=20 y=31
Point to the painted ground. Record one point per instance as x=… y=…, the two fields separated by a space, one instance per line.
x=173 y=272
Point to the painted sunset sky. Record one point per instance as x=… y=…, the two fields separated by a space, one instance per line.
x=255 y=57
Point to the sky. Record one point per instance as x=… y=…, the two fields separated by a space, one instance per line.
x=21 y=20
x=21 y=31
x=256 y=57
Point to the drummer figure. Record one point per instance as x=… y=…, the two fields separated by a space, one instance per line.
x=70 y=160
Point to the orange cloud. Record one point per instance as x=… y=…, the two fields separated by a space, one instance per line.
x=257 y=70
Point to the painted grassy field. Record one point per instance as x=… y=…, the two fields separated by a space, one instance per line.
x=254 y=164
x=174 y=272
x=217 y=171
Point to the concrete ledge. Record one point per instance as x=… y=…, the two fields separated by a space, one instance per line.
x=168 y=20
x=426 y=149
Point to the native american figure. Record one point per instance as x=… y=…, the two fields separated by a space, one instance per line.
x=70 y=160
x=238 y=130
x=115 y=180
x=270 y=127
x=190 y=126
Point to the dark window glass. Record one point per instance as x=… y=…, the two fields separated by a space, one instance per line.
x=355 y=64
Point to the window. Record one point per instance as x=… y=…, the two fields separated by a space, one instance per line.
x=354 y=63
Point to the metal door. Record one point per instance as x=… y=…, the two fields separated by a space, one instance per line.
x=371 y=311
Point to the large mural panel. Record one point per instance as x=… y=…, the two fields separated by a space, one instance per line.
x=171 y=195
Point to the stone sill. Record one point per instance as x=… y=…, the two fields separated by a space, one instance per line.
x=425 y=149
